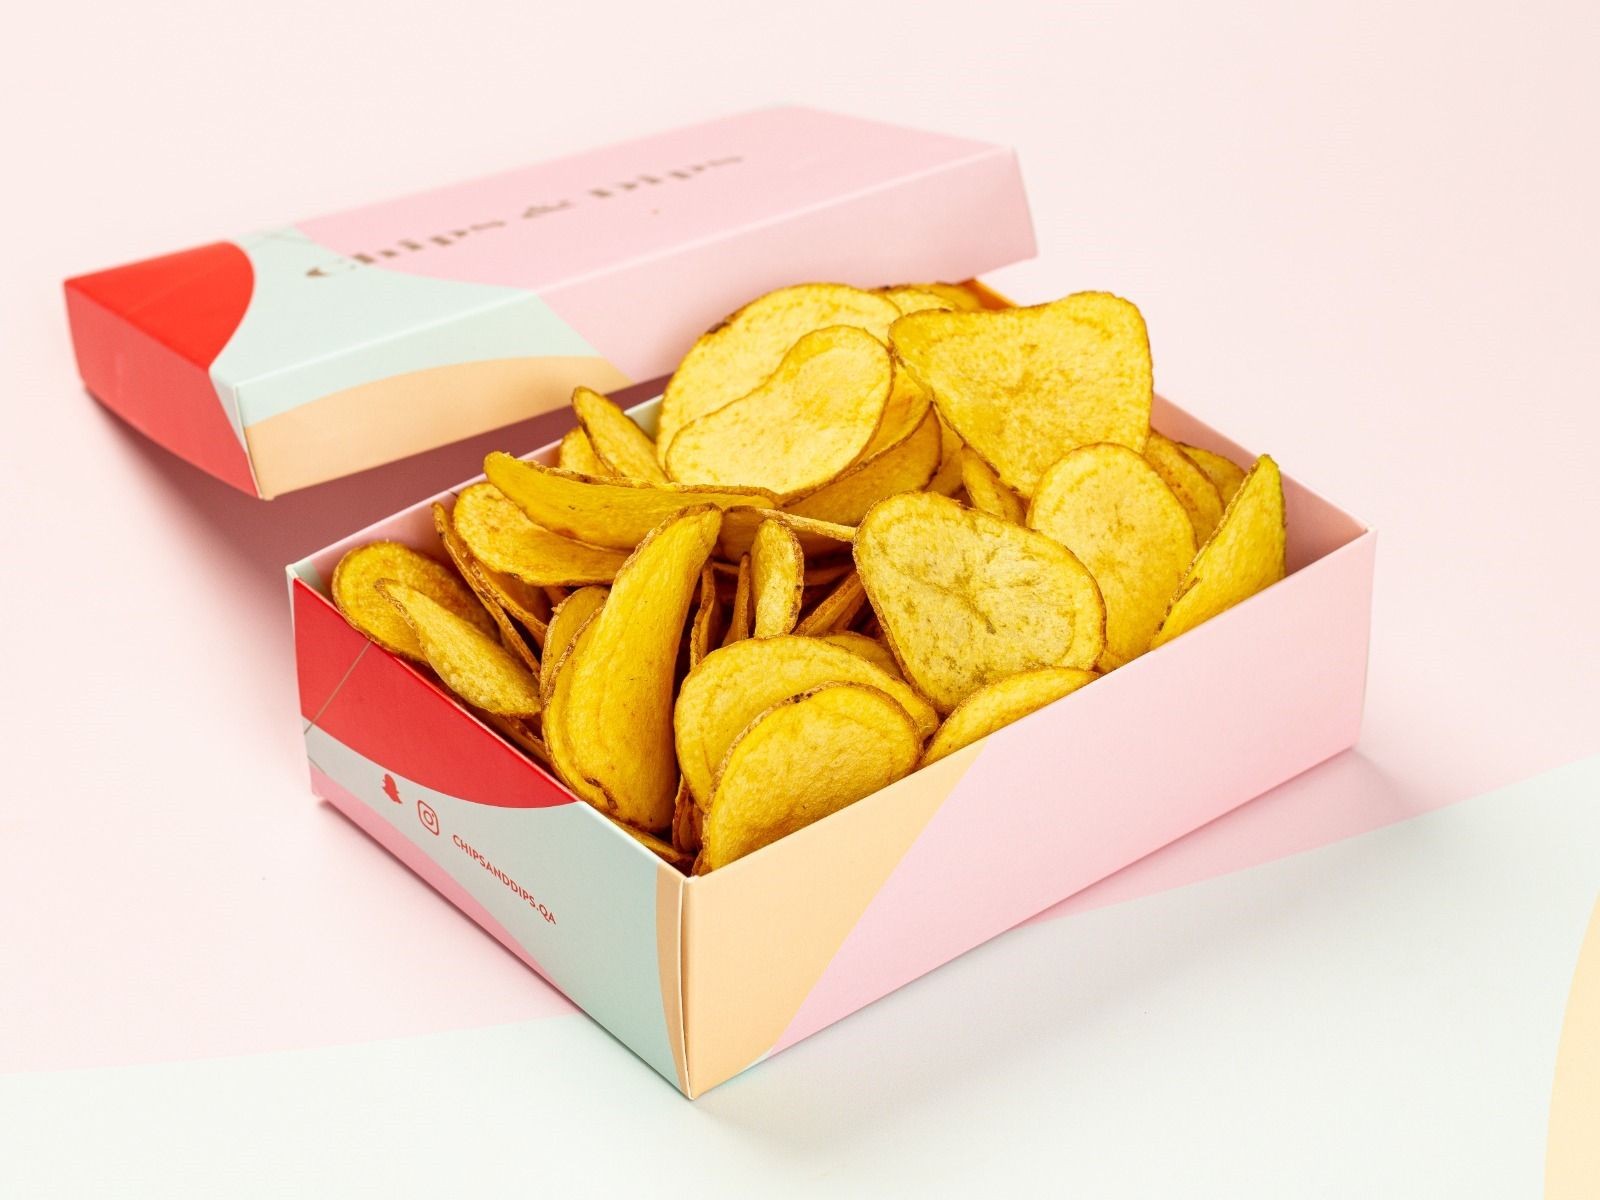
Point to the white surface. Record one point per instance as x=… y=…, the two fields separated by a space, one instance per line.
x=1375 y=1018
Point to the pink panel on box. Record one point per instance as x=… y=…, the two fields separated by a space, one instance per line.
x=698 y=220
x=1059 y=834
x=555 y=222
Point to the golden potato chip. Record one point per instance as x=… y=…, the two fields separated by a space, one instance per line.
x=470 y=662
x=555 y=595
x=998 y=704
x=869 y=648
x=1023 y=386
x=905 y=466
x=476 y=575
x=1111 y=508
x=685 y=821
x=947 y=479
x=1200 y=498
x=738 y=355
x=608 y=721
x=769 y=784
x=817 y=537
x=987 y=493
x=519 y=734
x=604 y=512
x=735 y=684
x=909 y=298
x=908 y=403
x=835 y=610
x=501 y=537
x=777 y=577
x=624 y=448
x=662 y=849
x=954 y=295
x=569 y=617
x=576 y=453
x=824 y=573
x=741 y=617
x=703 y=633
x=812 y=417
x=356 y=596
x=525 y=602
x=966 y=598
x=1244 y=555
x=1223 y=472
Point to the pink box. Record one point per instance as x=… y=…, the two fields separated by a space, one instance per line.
x=702 y=977
x=304 y=353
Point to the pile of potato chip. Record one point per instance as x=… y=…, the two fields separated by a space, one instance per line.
x=873 y=527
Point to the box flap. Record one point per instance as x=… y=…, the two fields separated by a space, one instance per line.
x=315 y=350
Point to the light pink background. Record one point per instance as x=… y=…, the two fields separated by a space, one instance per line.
x=1362 y=237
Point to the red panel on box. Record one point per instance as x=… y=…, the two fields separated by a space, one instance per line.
x=389 y=712
x=190 y=302
x=146 y=335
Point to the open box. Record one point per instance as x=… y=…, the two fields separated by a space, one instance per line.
x=702 y=977
x=307 y=352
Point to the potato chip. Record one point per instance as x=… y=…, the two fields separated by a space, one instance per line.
x=626 y=450
x=987 y=493
x=822 y=574
x=608 y=722
x=519 y=733
x=526 y=603
x=576 y=453
x=685 y=821
x=1223 y=472
x=908 y=403
x=355 y=595
x=837 y=609
x=1244 y=555
x=909 y=298
x=812 y=417
x=869 y=648
x=1109 y=507
x=947 y=479
x=954 y=295
x=1023 y=386
x=569 y=617
x=777 y=577
x=470 y=662
x=741 y=617
x=662 y=849
x=966 y=598
x=604 y=512
x=1200 y=498
x=738 y=355
x=905 y=466
x=476 y=576
x=555 y=595
x=501 y=537
x=998 y=704
x=817 y=537
x=707 y=625
x=769 y=784
x=735 y=684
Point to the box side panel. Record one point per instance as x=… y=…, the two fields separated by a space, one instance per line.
x=814 y=927
x=145 y=336
x=340 y=366
x=567 y=890
x=966 y=217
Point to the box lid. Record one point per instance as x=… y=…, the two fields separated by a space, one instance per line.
x=300 y=354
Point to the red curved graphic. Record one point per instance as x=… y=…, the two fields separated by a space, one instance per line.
x=389 y=712
x=146 y=335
